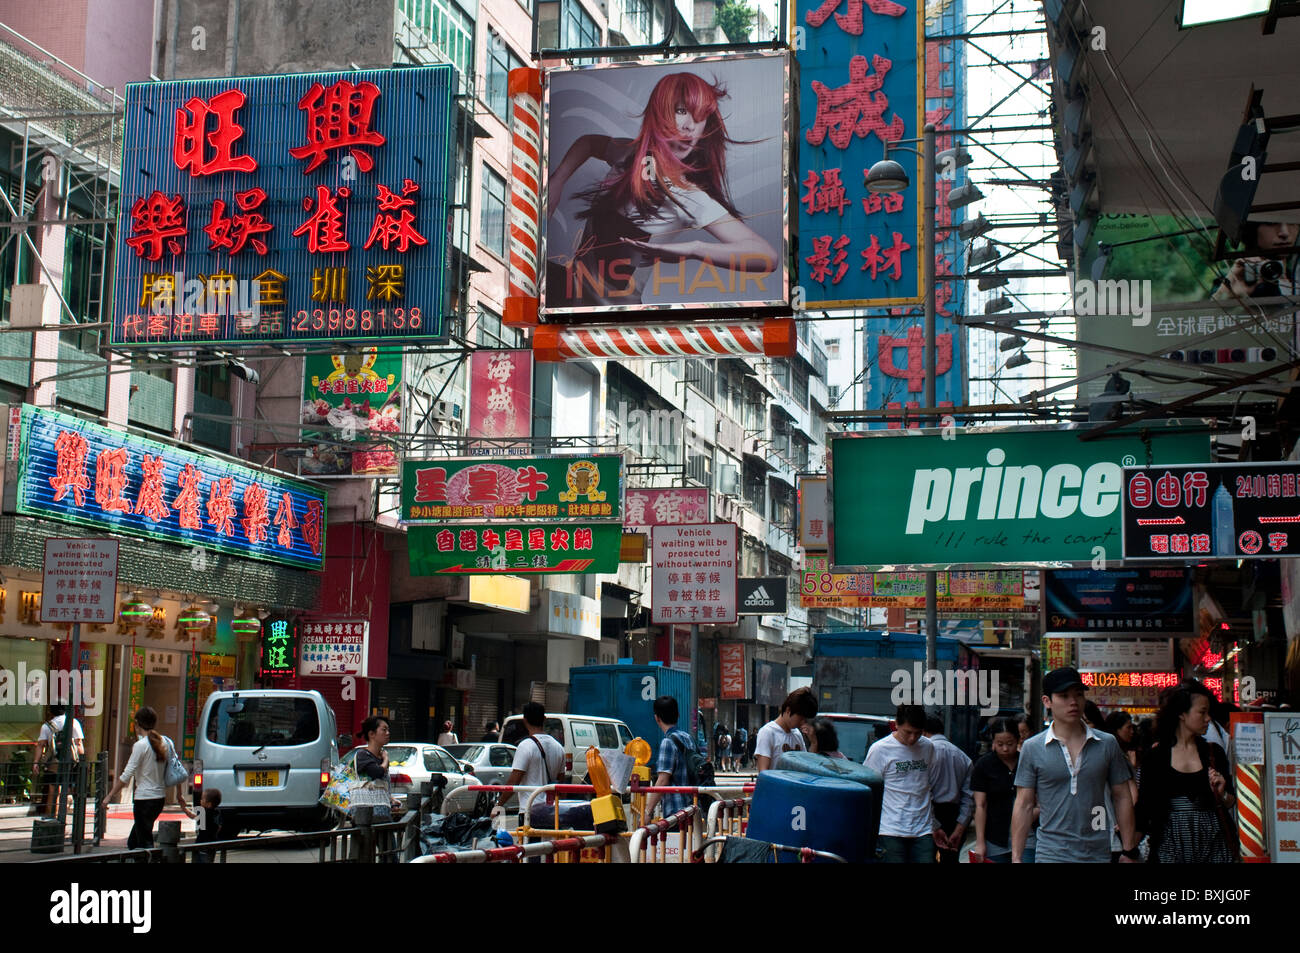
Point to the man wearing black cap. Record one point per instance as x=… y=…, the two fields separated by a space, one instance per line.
x=1065 y=772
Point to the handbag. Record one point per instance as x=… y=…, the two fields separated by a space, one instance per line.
x=175 y=772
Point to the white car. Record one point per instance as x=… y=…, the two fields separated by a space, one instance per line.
x=489 y=760
x=410 y=764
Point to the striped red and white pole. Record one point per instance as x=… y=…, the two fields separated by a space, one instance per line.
x=774 y=337
x=525 y=90
x=1250 y=814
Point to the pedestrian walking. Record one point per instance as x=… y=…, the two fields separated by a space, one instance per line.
x=147 y=766
x=739 y=738
x=993 y=786
x=491 y=732
x=1186 y=793
x=539 y=758
x=1066 y=772
x=53 y=756
x=448 y=737
x=906 y=760
x=954 y=804
x=782 y=733
x=724 y=750
x=674 y=750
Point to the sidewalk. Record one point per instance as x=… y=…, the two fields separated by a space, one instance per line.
x=16 y=838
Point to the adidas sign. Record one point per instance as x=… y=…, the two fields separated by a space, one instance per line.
x=759 y=599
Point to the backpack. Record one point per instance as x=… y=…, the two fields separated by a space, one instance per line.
x=699 y=769
x=60 y=751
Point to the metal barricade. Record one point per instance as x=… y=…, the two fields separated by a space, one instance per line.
x=649 y=843
x=728 y=816
x=806 y=854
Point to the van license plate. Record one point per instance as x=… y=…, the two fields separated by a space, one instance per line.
x=261 y=779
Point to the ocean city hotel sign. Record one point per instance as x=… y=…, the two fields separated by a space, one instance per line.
x=285 y=208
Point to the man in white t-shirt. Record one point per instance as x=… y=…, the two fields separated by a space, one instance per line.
x=47 y=762
x=783 y=734
x=907 y=763
x=539 y=758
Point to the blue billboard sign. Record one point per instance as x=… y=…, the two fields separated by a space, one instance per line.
x=81 y=472
x=895 y=337
x=859 y=87
x=295 y=208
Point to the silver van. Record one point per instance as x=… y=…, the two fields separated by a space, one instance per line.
x=269 y=752
x=576 y=733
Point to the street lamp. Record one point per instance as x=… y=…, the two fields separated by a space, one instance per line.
x=888 y=176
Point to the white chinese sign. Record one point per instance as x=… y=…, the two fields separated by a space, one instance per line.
x=814 y=514
x=336 y=647
x=1096 y=655
x=694 y=574
x=80 y=583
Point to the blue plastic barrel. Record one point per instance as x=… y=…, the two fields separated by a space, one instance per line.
x=803 y=810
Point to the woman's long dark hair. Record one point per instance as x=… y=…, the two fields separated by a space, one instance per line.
x=642 y=182
x=1175 y=705
x=147 y=719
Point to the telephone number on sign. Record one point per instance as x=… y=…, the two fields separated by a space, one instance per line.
x=353 y=321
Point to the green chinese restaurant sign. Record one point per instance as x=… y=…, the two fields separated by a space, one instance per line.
x=514 y=549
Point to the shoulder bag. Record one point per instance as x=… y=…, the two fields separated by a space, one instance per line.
x=175 y=772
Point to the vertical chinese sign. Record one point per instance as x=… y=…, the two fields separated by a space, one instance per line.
x=349 y=401
x=500 y=400
x=859 y=87
x=279 y=648
x=292 y=208
x=895 y=340
x=731 y=656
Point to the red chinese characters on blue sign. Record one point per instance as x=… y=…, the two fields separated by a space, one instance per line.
x=290 y=208
x=85 y=473
x=859 y=89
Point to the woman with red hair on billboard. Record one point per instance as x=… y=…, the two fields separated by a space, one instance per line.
x=670 y=179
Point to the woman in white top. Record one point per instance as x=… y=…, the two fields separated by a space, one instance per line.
x=148 y=766
x=670 y=179
x=448 y=737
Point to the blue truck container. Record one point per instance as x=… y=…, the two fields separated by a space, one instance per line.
x=627 y=692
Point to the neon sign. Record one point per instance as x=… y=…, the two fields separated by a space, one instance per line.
x=279 y=648
x=80 y=472
x=287 y=208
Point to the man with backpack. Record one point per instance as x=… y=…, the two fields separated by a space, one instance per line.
x=55 y=750
x=679 y=764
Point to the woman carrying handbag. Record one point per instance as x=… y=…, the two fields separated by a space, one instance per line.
x=154 y=766
x=1185 y=795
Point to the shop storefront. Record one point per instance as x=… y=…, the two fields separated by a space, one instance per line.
x=204 y=543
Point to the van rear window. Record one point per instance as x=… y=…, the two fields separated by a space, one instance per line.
x=256 y=721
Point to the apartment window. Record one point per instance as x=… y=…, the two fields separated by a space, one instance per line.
x=638 y=16
x=701 y=376
x=500 y=61
x=450 y=30
x=579 y=29
x=491 y=332
x=492 y=221
x=698 y=469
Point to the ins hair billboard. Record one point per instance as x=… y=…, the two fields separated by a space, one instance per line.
x=667 y=185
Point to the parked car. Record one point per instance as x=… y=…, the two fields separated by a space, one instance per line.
x=269 y=752
x=489 y=761
x=410 y=764
x=576 y=733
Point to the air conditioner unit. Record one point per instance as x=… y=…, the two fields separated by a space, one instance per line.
x=447 y=410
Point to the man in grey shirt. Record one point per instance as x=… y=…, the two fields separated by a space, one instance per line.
x=1065 y=772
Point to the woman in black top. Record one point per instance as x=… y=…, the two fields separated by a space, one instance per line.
x=993 y=781
x=1185 y=792
x=372 y=760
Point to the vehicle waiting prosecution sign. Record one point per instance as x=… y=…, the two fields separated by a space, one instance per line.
x=1226 y=510
x=80 y=582
x=1020 y=497
x=694 y=574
